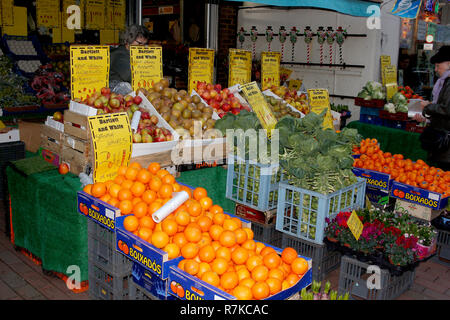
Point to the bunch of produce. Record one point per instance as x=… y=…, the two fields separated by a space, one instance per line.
x=416 y=174
x=316 y=159
x=12 y=87
x=178 y=108
x=409 y=93
x=398 y=103
x=291 y=96
x=215 y=247
x=221 y=100
x=316 y=294
x=372 y=90
x=48 y=84
x=56 y=51
x=280 y=108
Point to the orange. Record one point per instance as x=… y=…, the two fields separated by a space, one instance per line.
x=276 y=273
x=227 y=238
x=172 y=249
x=192 y=234
x=259 y=247
x=135 y=165
x=219 y=266
x=165 y=191
x=292 y=279
x=267 y=250
x=219 y=218
x=253 y=262
x=189 y=250
x=230 y=224
x=135 y=201
x=211 y=277
x=153 y=207
x=202 y=268
x=131 y=173
x=131 y=223
x=126 y=184
x=88 y=189
x=205 y=203
x=241 y=236
x=160 y=239
x=274 y=285
x=242 y=272
x=114 y=202
x=125 y=207
x=249 y=245
x=224 y=253
x=105 y=197
x=153 y=167
x=182 y=218
x=140 y=209
x=138 y=188
x=179 y=239
x=260 y=273
x=191 y=266
x=272 y=260
x=181 y=264
x=98 y=189
x=114 y=190
x=119 y=179
x=299 y=266
x=242 y=292
x=145 y=233
x=148 y=196
x=199 y=193
x=288 y=255
x=215 y=209
x=215 y=231
x=248 y=282
x=207 y=253
x=124 y=194
x=239 y=255
x=144 y=176
x=147 y=222
x=176 y=187
x=168 y=179
x=204 y=222
x=155 y=183
x=260 y=290
x=169 y=226
x=122 y=170
x=194 y=208
x=229 y=280
x=161 y=173
x=187 y=189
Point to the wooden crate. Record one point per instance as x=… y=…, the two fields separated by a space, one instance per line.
x=76 y=125
x=78 y=162
x=51 y=139
x=198 y=154
x=83 y=146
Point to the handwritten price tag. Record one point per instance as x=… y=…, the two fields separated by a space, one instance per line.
x=146 y=66
x=240 y=67
x=355 y=225
x=319 y=100
x=201 y=67
x=270 y=69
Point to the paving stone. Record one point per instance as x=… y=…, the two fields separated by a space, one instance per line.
x=412 y=295
x=28 y=292
x=13 y=280
x=52 y=293
x=6 y=292
x=20 y=268
x=8 y=257
x=436 y=295
x=435 y=286
x=417 y=287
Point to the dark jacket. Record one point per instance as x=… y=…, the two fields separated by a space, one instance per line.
x=439 y=114
x=120 y=69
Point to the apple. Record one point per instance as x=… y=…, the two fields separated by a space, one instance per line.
x=128 y=98
x=235 y=105
x=145 y=131
x=63 y=168
x=218 y=98
x=128 y=103
x=100 y=111
x=226 y=90
x=146 y=138
x=105 y=91
x=145 y=115
x=114 y=103
x=58 y=116
x=235 y=111
x=134 y=107
x=209 y=87
x=90 y=101
x=160 y=138
x=206 y=95
x=201 y=85
x=137 y=100
x=137 y=138
x=215 y=105
x=218 y=87
x=224 y=95
x=226 y=107
x=154 y=119
x=213 y=93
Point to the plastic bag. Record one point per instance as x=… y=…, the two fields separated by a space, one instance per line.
x=122 y=88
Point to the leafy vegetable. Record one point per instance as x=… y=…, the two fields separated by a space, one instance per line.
x=372 y=90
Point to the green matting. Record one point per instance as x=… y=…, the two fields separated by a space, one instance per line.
x=45 y=218
x=392 y=140
x=214 y=180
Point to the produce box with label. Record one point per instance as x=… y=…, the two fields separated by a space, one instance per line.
x=374 y=179
x=422 y=197
x=97 y=210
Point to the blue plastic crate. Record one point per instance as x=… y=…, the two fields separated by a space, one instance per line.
x=369 y=119
x=395 y=124
x=370 y=111
x=302 y=213
x=253 y=184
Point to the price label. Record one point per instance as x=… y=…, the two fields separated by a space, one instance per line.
x=391 y=89
x=355 y=225
x=95 y=14
x=115 y=14
x=112 y=142
x=89 y=69
x=7 y=12
x=295 y=84
x=319 y=100
x=240 y=67
x=270 y=69
x=47 y=13
x=201 y=67
x=19 y=22
x=259 y=105
x=384 y=62
x=390 y=74
x=146 y=66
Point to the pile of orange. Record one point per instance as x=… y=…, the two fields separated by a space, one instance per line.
x=216 y=247
x=416 y=174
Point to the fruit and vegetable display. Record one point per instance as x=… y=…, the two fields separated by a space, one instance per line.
x=12 y=93
x=409 y=93
x=178 y=108
x=318 y=293
x=216 y=247
x=372 y=90
x=416 y=174
x=49 y=85
x=291 y=96
x=280 y=108
x=221 y=100
x=398 y=103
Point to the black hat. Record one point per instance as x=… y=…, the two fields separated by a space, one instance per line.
x=442 y=55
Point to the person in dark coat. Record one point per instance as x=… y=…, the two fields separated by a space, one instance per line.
x=438 y=110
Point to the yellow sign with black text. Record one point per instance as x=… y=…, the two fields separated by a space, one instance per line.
x=47 y=13
x=240 y=67
x=201 y=67
x=7 y=13
x=112 y=143
x=384 y=62
x=89 y=69
x=355 y=225
x=95 y=14
x=270 y=69
x=319 y=100
x=146 y=66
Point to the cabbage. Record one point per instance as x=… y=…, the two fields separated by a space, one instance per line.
x=373 y=86
x=402 y=108
x=390 y=107
x=399 y=99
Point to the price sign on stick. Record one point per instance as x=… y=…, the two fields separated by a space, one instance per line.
x=390 y=77
x=146 y=66
x=259 y=105
x=384 y=62
x=201 y=67
x=112 y=144
x=355 y=225
x=240 y=67
x=319 y=101
x=270 y=69
x=89 y=69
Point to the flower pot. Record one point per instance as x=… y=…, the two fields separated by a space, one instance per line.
x=347 y=245
x=334 y=240
x=423 y=251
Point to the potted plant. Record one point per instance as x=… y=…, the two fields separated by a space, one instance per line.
x=371 y=236
x=402 y=252
x=426 y=245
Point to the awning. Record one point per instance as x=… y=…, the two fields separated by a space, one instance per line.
x=357 y=8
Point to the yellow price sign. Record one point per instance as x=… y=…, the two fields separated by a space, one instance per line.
x=270 y=69
x=95 y=14
x=7 y=12
x=259 y=105
x=390 y=74
x=384 y=62
x=89 y=69
x=295 y=84
x=319 y=100
x=47 y=13
x=112 y=143
x=240 y=67
x=355 y=225
x=146 y=66
x=391 y=89
x=201 y=67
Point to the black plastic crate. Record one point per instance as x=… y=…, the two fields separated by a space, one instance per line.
x=102 y=250
x=266 y=233
x=443 y=246
x=104 y=285
x=355 y=280
x=323 y=259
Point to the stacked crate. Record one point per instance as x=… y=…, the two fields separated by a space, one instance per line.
x=52 y=133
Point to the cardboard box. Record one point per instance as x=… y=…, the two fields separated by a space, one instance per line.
x=51 y=139
x=9 y=135
x=263 y=217
x=417 y=211
x=78 y=162
x=374 y=179
x=30 y=134
x=76 y=125
x=100 y=212
x=419 y=196
x=154 y=287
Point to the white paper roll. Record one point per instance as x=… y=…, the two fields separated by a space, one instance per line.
x=135 y=121
x=178 y=199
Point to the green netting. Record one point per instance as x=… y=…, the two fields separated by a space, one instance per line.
x=214 y=180
x=46 y=221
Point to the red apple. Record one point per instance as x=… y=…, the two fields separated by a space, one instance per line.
x=235 y=111
x=209 y=87
x=137 y=100
x=213 y=93
x=226 y=90
x=63 y=168
x=218 y=98
x=114 y=103
x=226 y=107
x=218 y=87
x=105 y=91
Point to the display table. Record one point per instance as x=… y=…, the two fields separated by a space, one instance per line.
x=392 y=140
x=44 y=216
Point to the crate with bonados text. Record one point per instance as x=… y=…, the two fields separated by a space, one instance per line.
x=185 y=286
x=374 y=179
x=422 y=197
x=97 y=210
